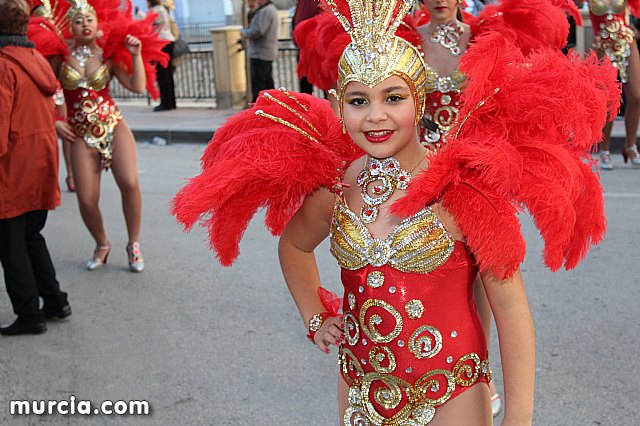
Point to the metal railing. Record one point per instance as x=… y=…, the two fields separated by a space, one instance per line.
x=194 y=76
x=285 y=72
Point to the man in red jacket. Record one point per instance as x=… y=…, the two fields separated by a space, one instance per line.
x=28 y=175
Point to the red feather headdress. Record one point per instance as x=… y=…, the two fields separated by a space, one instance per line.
x=50 y=35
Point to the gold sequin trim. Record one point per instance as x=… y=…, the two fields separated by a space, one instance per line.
x=414 y=309
x=614 y=39
x=369 y=326
x=352 y=301
x=351 y=368
x=601 y=7
x=288 y=108
x=375 y=279
x=352 y=328
x=379 y=355
x=431 y=384
x=420 y=399
x=293 y=98
x=420 y=243
x=388 y=396
x=72 y=79
x=425 y=346
x=467 y=369
x=453 y=83
x=286 y=123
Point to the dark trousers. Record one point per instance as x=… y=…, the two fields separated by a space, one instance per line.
x=164 y=75
x=305 y=86
x=28 y=270
x=261 y=76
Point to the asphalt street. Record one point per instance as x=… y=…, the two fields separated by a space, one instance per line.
x=207 y=345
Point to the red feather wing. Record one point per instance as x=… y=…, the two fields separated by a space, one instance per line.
x=255 y=161
x=46 y=37
x=530 y=24
x=526 y=145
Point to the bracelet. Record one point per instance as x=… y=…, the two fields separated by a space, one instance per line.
x=60 y=118
x=315 y=323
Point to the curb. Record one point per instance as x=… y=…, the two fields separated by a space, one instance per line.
x=203 y=137
x=174 y=136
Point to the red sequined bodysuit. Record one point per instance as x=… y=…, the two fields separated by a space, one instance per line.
x=612 y=35
x=90 y=110
x=442 y=103
x=413 y=336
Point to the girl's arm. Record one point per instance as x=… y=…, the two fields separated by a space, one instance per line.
x=516 y=334
x=137 y=80
x=517 y=339
x=308 y=228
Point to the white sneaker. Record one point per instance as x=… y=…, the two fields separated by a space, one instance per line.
x=496 y=404
x=605 y=160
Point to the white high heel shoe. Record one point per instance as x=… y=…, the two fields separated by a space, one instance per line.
x=97 y=261
x=136 y=261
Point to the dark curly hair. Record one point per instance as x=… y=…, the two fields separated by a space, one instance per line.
x=14 y=17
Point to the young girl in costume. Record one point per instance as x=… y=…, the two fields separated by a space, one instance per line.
x=614 y=39
x=411 y=346
x=439 y=31
x=100 y=138
x=395 y=313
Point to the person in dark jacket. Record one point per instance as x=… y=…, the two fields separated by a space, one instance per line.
x=28 y=175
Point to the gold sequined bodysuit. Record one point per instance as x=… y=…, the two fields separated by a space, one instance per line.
x=90 y=110
x=612 y=35
x=413 y=336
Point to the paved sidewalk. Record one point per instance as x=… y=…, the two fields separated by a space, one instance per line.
x=196 y=121
x=190 y=122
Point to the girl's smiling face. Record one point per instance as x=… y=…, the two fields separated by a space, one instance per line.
x=381 y=119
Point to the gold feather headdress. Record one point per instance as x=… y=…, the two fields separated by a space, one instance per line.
x=375 y=52
x=81 y=7
x=43 y=10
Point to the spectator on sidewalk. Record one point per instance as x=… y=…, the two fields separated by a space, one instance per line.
x=262 y=34
x=164 y=74
x=28 y=175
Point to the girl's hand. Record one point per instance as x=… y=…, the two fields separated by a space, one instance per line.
x=64 y=131
x=133 y=45
x=331 y=332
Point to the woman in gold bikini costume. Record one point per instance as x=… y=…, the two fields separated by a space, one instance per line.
x=101 y=138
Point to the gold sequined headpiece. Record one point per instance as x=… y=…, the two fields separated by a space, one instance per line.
x=375 y=52
x=43 y=10
x=81 y=7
